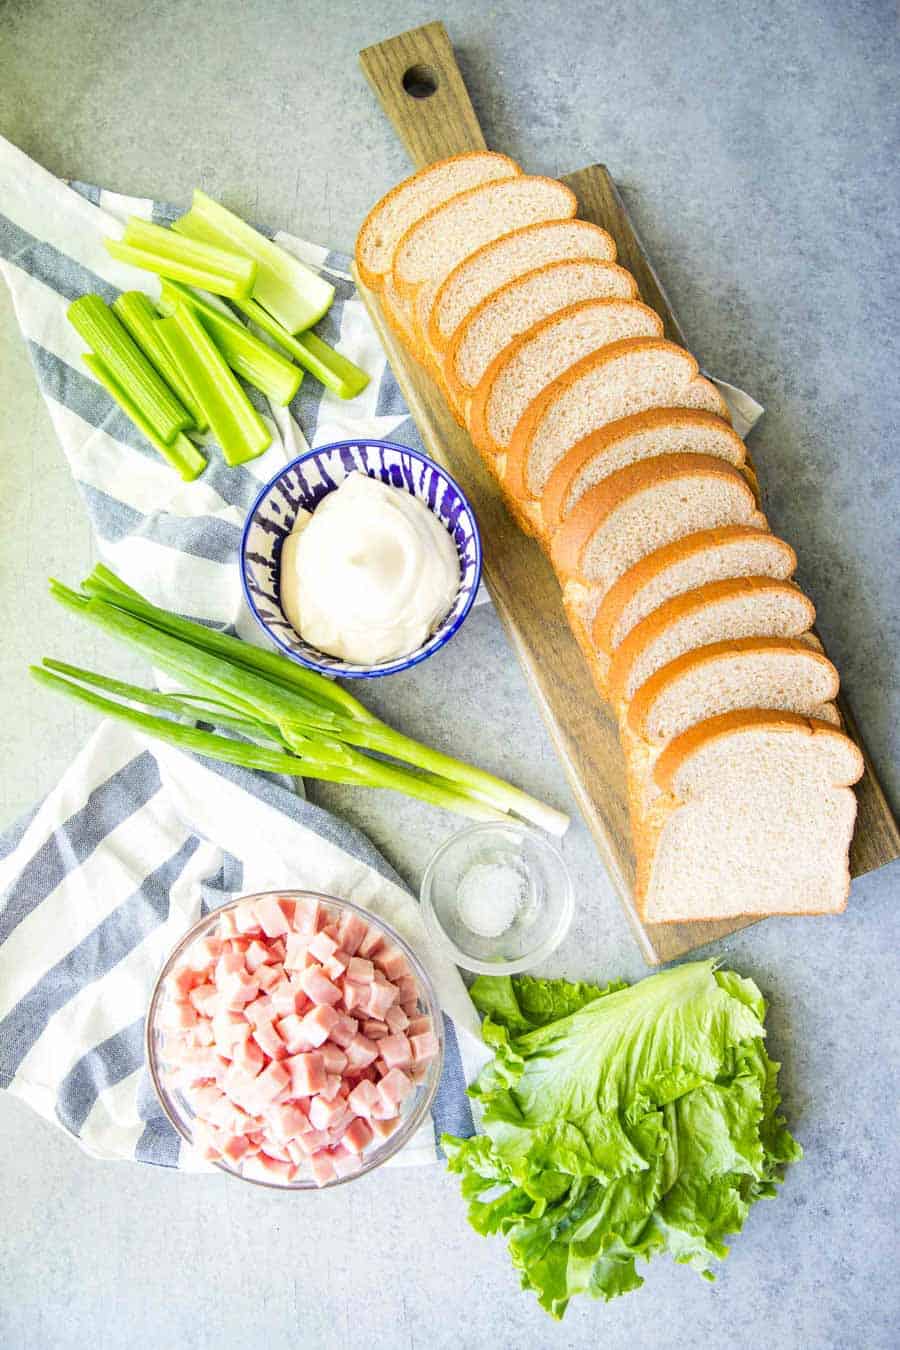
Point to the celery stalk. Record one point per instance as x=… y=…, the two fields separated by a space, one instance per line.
x=270 y=372
x=92 y=318
x=208 y=278
x=182 y=454
x=138 y=315
x=236 y=424
x=206 y=255
x=290 y=291
x=326 y=365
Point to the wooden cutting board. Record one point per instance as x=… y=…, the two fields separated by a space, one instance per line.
x=419 y=86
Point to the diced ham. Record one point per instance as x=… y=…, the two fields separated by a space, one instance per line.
x=270 y=976
x=205 y=998
x=381 y=997
x=344 y=1030
x=391 y=962
x=315 y=983
x=296 y=952
x=418 y=1026
x=358 y=1134
x=178 y=1016
x=227 y=926
x=260 y=1010
x=424 y=1047
x=333 y=1058
x=201 y=1033
x=335 y=966
x=355 y=995
x=363 y=1098
x=287 y=998
x=207 y=1140
x=239 y=1084
x=319 y=1023
x=248 y=1055
x=396 y=1019
x=307 y=1073
x=395 y=1087
x=361 y=1052
x=229 y=1117
x=371 y=943
x=344 y=1162
x=261 y=1167
x=257 y=954
x=270 y=1082
x=237 y=989
x=204 y=953
x=245 y=920
x=409 y=991
x=322 y=946
x=311 y=1142
x=306 y=915
x=181 y=981
x=374 y=1030
x=270 y=916
x=203 y=1098
x=395 y=1050
x=291 y=1031
x=418 y=1073
x=323 y=1113
x=352 y=929
x=322 y=1165
x=235 y=1147
x=383 y=1128
x=269 y=1041
x=332 y=1087
x=287 y=1121
x=360 y=971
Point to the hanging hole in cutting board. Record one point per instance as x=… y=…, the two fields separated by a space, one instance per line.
x=420 y=82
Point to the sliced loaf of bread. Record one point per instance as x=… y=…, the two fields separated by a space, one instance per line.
x=547 y=291
x=757 y=819
x=683 y=565
x=392 y=216
x=636 y=511
x=718 y=611
x=502 y=260
x=437 y=241
x=622 y=379
x=658 y=431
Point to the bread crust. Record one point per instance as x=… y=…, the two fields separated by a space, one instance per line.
x=375 y=280
x=598 y=443
x=408 y=287
x=438 y=339
x=514 y=345
x=651 y=566
x=600 y=501
x=679 y=607
x=640 y=705
x=518 y=451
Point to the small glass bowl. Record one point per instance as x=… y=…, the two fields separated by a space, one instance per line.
x=492 y=867
x=179 y=1112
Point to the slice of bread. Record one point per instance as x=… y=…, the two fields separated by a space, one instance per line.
x=636 y=511
x=718 y=611
x=658 y=431
x=785 y=674
x=392 y=216
x=519 y=372
x=502 y=260
x=438 y=240
x=625 y=378
x=548 y=291
x=683 y=565
x=757 y=819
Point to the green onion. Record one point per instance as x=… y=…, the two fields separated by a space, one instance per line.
x=235 y=423
x=290 y=291
x=270 y=372
x=336 y=372
x=93 y=320
x=138 y=315
x=154 y=249
x=269 y=697
x=182 y=454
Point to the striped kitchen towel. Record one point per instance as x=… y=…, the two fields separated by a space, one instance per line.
x=106 y=874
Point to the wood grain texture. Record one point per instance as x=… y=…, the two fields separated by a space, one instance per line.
x=519 y=578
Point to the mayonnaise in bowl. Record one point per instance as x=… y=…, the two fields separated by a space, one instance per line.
x=370 y=574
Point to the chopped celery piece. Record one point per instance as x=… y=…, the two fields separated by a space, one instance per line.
x=140 y=318
x=208 y=256
x=290 y=291
x=338 y=374
x=236 y=424
x=209 y=278
x=92 y=318
x=269 y=371
x=182 y=454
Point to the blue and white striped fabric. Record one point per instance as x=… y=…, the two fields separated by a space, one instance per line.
x=137 y=840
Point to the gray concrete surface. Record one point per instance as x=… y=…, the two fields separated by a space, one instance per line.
x=757 y=148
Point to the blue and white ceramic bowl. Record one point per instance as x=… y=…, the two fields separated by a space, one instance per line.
x=302 y=484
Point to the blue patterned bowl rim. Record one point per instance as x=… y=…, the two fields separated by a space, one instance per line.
x=335 y=668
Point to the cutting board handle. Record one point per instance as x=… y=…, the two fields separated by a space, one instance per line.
x=420 y=87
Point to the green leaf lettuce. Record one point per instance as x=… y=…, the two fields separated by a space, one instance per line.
x=618 y=1122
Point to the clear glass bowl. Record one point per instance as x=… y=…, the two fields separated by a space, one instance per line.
x=485 y=875
x=179 y=1112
